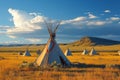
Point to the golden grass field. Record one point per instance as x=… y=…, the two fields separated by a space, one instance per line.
x=10 y=62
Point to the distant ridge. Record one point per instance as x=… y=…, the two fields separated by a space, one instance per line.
x=93 y=41
x=84 y=41
x=12 y=45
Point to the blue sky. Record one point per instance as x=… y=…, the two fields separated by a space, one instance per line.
x=22 y=21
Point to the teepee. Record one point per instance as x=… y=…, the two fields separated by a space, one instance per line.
x=84 y=52
x=52 y=52
x=27 y=53
x=20 y=53
x=68 y=53
x=92 y=52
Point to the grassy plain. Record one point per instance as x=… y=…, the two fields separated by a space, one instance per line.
x=10 y=62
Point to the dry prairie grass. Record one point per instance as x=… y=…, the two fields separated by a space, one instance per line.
x=63 y=47
x=96 y=59
x=9 y=66
x=71 y=74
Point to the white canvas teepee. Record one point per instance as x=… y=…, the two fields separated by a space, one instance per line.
x=52 y=52
x=93 y=52
x=84 y=52
x=27 y=53
x=68 y=53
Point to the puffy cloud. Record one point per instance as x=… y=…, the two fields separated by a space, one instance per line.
x=96 y=23
x=107 y=11
x=4 y=27
x=29 y=26
x=75 y=20
x=25 y=22
x=91 y=16
x=37 y=19
x=78 y=19
x=11 y=42
x=114 y=18
x=33 y=40
x=11 y=36
x=33 y=14
x=84 y=21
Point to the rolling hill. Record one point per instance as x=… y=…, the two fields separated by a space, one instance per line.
x=93 y=41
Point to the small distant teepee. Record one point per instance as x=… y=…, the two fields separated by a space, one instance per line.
x=92 y=52
x=52 y=52
x=84 y=52
x=27 y=53
x=20 y=53
x=68 y=53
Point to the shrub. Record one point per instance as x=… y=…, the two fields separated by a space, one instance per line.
x=1 y=58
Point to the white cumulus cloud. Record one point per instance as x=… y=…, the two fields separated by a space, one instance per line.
x=107 y=11
x=11 y=36
x=75 y=20
x=30 y=26
x=24 y=22
x=96 y=23
x=91 y=16
x=114 y=18
x=33 y=40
